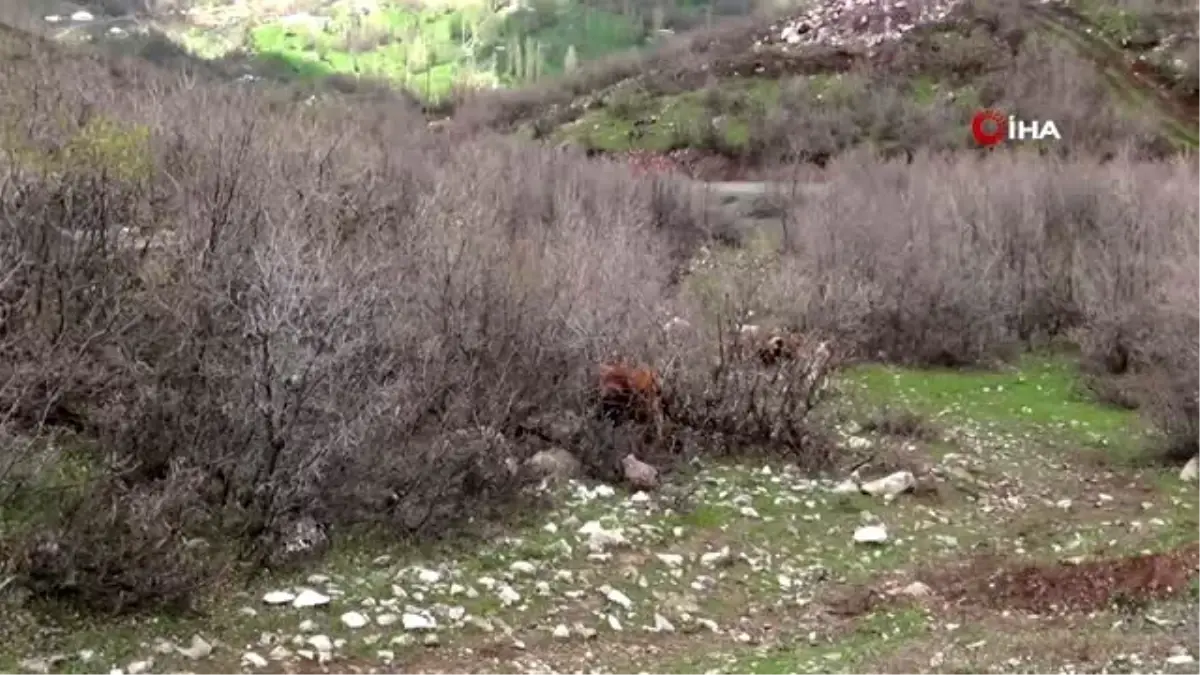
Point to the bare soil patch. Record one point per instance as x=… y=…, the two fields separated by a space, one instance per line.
x=987 y=581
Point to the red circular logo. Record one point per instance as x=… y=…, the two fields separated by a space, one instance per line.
x=989 y=127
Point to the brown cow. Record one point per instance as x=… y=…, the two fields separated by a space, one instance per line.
x=631 y=393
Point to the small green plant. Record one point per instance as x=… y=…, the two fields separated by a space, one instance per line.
x=105 y=145
x=120 y=151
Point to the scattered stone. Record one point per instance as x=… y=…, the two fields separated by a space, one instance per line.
x=413 y=621
x=1190 y=470
x=321 y=643
x=561 y=632
x=662 y=625
x=1179 y=655
x=354 y=620
x=309 y=598
x=37 y=665
x=308 y=626
x=716 y=558
x=916 y=590
x=431 y=640
x=279 y=597
x=847 y=486
x=254 y=660
x=139 y=667
x=83 y=16
x=870 y=534
x=385 y=620
x=522 y=567
x=616 y=597
x=670 y=559
x=508 y=596
x=599 y=538
x=894 y=484
x=199 y=649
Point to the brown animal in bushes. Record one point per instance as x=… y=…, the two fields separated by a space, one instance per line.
x=631 y=394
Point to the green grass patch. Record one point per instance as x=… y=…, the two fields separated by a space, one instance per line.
x=638 y=120
x=1041 y=394
x=431 y=49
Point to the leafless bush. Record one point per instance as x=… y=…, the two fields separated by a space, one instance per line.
x=737 y=404
x=313 y=313
x=952 y=260
x=1173 y=368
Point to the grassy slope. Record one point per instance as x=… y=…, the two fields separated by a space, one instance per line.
x=635 y=118
x=429 y=48
x=1011 y=447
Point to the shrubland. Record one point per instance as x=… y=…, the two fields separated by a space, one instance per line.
x=226 y=318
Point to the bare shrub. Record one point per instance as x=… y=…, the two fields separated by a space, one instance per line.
x=1177 y=341
x=955 y=260
x=316 y=314
x=736 y=405
x=1049 y=81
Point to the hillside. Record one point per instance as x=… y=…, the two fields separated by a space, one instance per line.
x=898 y=76
x=429 y=48
x=302 y=374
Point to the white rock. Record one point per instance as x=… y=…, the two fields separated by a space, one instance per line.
x=662 y=625
x=354 y=620
x=35 y=665
x=413 y=621
x=616 y=597
x=308 y=626
x=1190 y=472
x=614 y=623
x=896 y=483
x=1180 y=659
x=670 y=559
x=310 y=598
x=508 y=596
x=599 y=539
x=82 y=15
x=428 y=576
x=522 y=567
x=714 y=558
x=561 y=631
x=431 y=640
x=916 y=590
x=280 y=653
x=386 y=620
x=279 y=597
x=139 y=667
x=870 y=534
x=858 y=443
x=52 y=18
x=254 y=660
x=321 y=643
x=199 y=649
x=847 y=486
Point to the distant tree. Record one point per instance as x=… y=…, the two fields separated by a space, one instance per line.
x=570 y=60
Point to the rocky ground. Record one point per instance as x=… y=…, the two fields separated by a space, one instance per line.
x=1009 y=534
